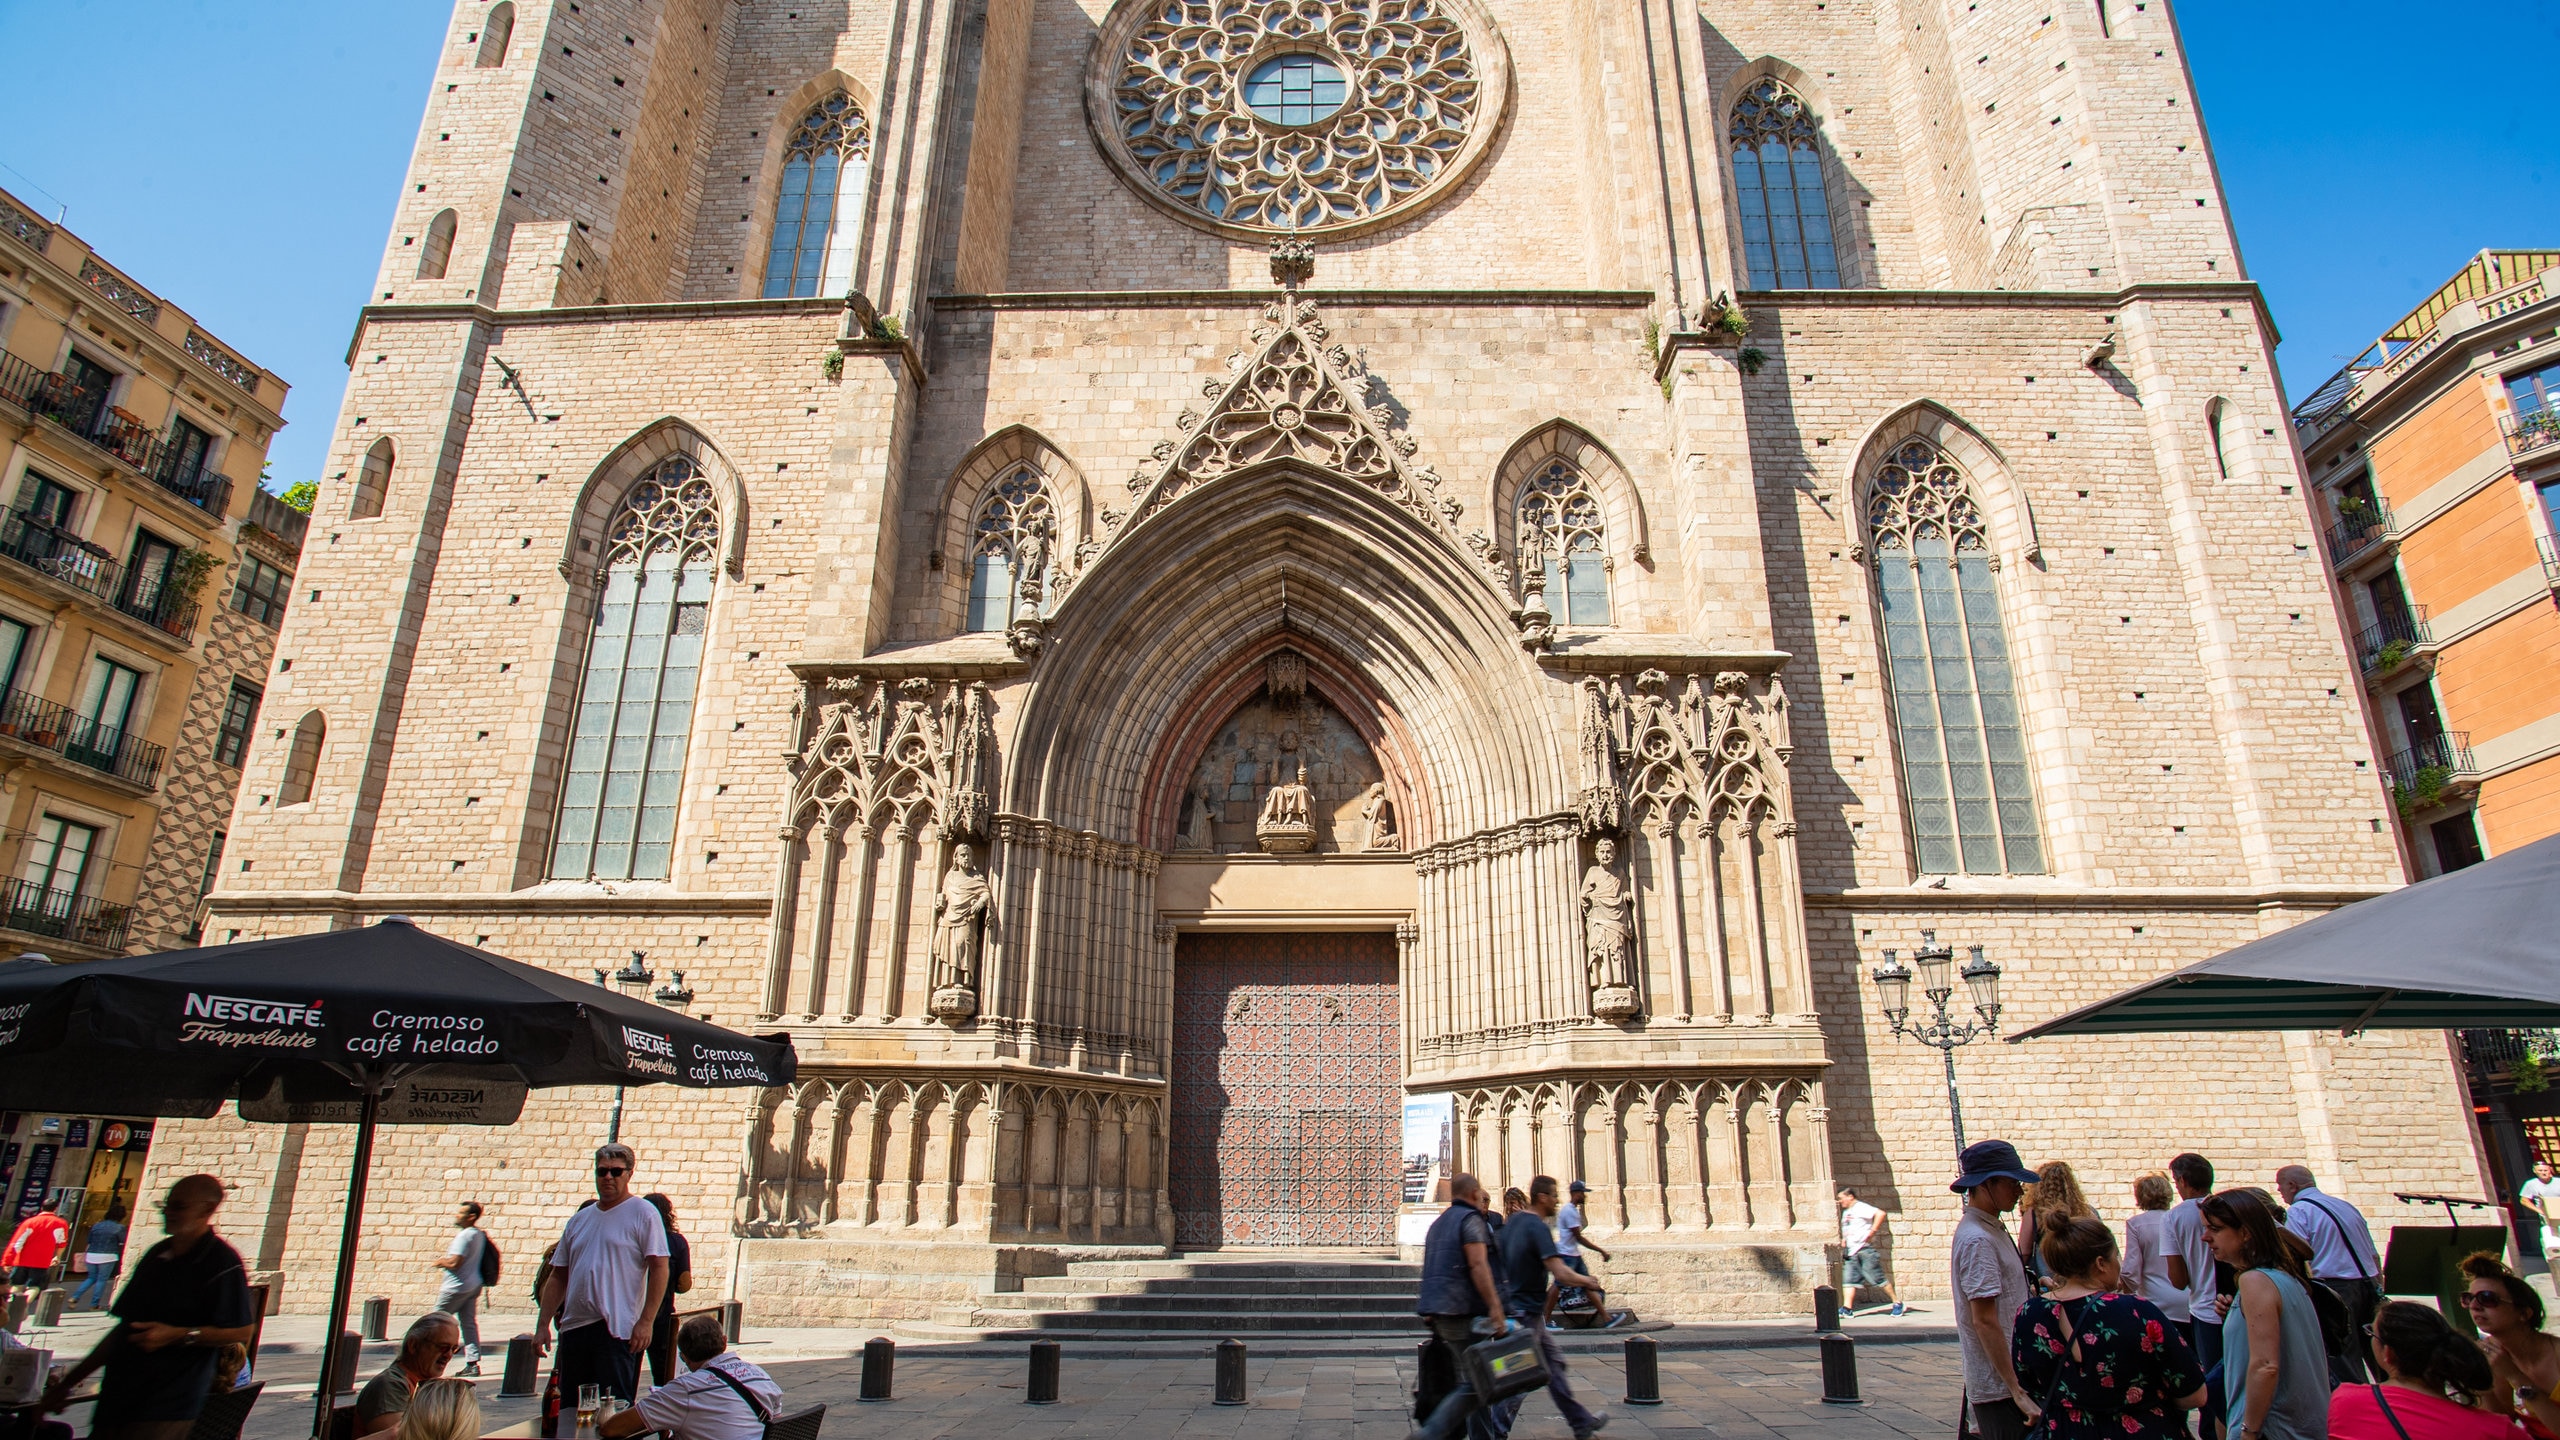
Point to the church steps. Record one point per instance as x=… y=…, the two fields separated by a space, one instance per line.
x=1254 y=1292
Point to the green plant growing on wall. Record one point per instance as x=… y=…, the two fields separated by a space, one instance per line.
x=1749 y=359
x=887 y=327
x=833 y=365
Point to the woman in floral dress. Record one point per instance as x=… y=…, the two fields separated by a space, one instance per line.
x=2102 y=1364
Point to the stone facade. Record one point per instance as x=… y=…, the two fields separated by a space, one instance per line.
x=1483 y=471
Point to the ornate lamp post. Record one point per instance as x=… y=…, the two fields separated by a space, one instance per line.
x=1941 y=1033
x=632 y=980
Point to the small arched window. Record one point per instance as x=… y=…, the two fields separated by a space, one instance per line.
x=2213 y=425
x=635 y=705
x=495 y=32
x=1777 y=180
x=1562 y=535
x=1955 y=701
x=824 y=171
x=1009 y=550
x=373 y=481
x=302 y=761
x=438 y=250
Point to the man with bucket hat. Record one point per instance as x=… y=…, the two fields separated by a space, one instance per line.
x=1989 y=1285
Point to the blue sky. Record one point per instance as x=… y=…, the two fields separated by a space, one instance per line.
x=242 y=160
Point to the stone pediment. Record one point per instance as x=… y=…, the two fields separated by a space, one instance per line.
x=1297 y=396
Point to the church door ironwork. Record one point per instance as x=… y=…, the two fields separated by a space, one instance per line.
x=1288 y=1090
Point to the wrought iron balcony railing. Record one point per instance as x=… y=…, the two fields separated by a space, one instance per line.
x=33 y=720
x=2381 y=647
x=36 y=909
x=2359 y=528
x=75 y=562
x=2421 y=774
x=2532 y=430
x=85 y=414
x=2550 y=563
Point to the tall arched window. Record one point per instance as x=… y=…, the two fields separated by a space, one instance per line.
x=1560 y=529
x=302 y=761
x=1777 y=179
x=438 y=251
x=823 y=173
x=373 y=480
x=1010 y=550
x=495 y=33
x=1955 y=702
x=635 y=707
x=2213 y=413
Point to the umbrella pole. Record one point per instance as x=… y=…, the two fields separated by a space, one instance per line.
x=361 y=1170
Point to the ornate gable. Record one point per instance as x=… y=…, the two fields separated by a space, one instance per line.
x=1296 y=397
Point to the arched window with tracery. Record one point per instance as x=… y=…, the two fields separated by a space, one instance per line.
x=1955 y=700
x=1561 y=531
x=1778 y=189
x=1011 y=550
x=644 y=659
x=824 y=171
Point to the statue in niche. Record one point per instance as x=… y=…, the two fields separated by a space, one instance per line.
x=1200 y=831
x=1031 y=558
x=1608 y=935
x=1378 y=819
x=1284 y=828
x=959 y=917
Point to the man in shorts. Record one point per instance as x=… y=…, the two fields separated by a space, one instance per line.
x=1861 y=1258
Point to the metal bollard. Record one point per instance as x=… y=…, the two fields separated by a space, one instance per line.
x=349 y=1347
x=1644 y=1372
x=879 y=1365
x=733 y=1319
x=377 y=1317
x=1044 y=1374
x=49 y=1304
x=1826 y=1309
x=523 y=1370
x=1840 y=1370
x=1231 y=1380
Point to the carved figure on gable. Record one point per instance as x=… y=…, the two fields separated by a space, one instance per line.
x=1608 y=935
x=959 y=918
x=1284 y=828
x=1378 y=819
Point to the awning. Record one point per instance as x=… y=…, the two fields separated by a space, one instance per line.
x=2476 y=949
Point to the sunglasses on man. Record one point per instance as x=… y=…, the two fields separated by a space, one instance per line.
x=603 y=1171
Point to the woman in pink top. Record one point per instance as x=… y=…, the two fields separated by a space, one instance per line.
x=2438 y=1386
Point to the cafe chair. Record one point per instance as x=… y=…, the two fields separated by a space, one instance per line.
x=223 y=1415
x=803 y=1426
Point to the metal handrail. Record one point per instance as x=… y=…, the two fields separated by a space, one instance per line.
x=34 y=720
x=60 y=555
x=2375 y=642
x=87 y=417
x=2531 y=430
x=2351 y=537
x=2550 y=563
x=2449 y=752
x=36 y=909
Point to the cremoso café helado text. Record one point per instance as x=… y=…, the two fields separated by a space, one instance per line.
x=400 y=1032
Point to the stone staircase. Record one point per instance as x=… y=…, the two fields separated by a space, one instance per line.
x=1303 y=1292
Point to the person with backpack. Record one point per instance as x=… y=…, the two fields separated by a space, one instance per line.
x=470 y=1265
x=2342 y=1259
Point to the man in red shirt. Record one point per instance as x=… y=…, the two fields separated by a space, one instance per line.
x=30 y=1254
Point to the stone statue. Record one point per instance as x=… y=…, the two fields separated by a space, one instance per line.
x=1608 y=935
x=1201 y=831
x=959 y=914
x=1378 y=817
x=1284 y=827
x=1031 y=563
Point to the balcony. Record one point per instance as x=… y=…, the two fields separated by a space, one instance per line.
x=2381 y=647
x=2550 y=563
x=2531 y=431
x=62 y=915
x=2360 y=526
x=2513 y=1052
x=118 y=436
x=34 y=721
x=2432 y=772
x=59 y=555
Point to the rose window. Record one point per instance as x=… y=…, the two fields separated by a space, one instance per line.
x=1254 y=116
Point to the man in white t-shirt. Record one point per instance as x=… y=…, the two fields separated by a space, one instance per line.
x=1861 y=1258
x=608 y=1274
x=2190 y=1258
x=459 y=1293
x=719 y=1397
x=2541 y=1195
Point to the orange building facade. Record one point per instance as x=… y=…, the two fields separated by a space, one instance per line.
x=2434 y=460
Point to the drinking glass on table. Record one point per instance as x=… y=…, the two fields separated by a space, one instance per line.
x=589 y=1396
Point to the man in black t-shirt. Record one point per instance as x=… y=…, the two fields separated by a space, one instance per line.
x=187 y=1298
x=1529 y=1262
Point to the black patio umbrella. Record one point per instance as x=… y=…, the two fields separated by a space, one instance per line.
x=381 y=1025
x=2479 y=948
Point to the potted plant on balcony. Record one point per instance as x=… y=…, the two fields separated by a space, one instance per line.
x=2357 y=515
x=42 y=733
x=185 y=579
x=2424 y=788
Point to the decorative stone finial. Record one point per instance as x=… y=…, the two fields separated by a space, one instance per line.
x=1293 y=262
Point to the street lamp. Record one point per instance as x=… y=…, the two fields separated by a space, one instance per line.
x=632 y=980
x=1942 y=1032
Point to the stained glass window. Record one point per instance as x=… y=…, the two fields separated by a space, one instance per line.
x=1955 y=702
x=1010 y=549
x=635 y=706
x=1777 y=178
x=1560 y=528
x=824 y=171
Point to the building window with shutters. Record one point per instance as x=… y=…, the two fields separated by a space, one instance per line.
x=239 y=717
x=634 y=714
x=261 y=592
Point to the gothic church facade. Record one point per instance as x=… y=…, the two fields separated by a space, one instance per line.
x=1151 y=578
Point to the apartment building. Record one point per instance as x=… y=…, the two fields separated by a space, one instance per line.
x=2435 y=463
x=142 y=577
